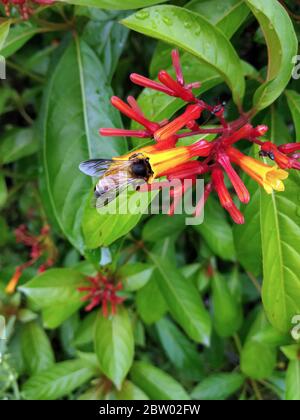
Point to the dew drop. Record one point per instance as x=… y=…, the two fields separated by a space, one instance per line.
x=197 y=31
x=187 y=24
x=142 y=14
x=167 y=21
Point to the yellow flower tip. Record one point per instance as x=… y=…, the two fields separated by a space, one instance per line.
x=273 y=180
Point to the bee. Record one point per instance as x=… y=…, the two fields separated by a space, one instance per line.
x=116 y=175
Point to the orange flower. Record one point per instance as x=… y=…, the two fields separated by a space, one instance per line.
x=269 y=177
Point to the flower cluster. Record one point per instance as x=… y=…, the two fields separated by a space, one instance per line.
x=24 y=6
x=216 y=159
x=102 y=291
x=41 y=248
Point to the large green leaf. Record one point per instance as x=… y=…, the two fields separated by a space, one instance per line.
x=227 y=15
x=157 y=384
x=217 y=231
x=293 y=99
x=105 y=36
x=218 y=386
x=191 y=32
x=293 y=381
x=249 y=253
x=18 y=36
x=60 y=380
x=261 y=341
x=55 y=292
x=114 y=345
x=114 y=4
x=280 y=221
x=3 y=191
x=17 y=143
x=151 y=305
x=183 y=300
x=227 y=312
x=4 y=30
x=181 y=352
x=36 y=348
x=103 y=227
x=80 y=98
x=282 y=46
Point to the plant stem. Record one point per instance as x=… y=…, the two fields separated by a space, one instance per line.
x=256 y=390
x=254 y=281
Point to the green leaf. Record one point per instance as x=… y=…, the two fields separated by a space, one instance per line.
x=249 y=253
x=85 y=332
x=114 y=345
x=280 y=221
x=156 y=383
x=216 y=231
x=227 y=15
x=130 y=392
x=105 y=36
x=293 y=99
x=18 y=36
x=227 y=312
x=105 y=226
x=57 y=382
x=75 y=97
x=191 y=32
x=183 y=300
x=292 y=351
x=115 y=4
x=36 y=348
x=218 y=386
x=56 y=293
x=293 y=381
x=17 y=144
x=181 y=352
x=162 y=226
x=261 y=340
x=150 y=303
x=3 y=191
x=135 y=276
x=4 y=30
x=282 y=47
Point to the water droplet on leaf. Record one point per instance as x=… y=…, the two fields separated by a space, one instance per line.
x=167 y=21
x=142 y=14
x=187 y=24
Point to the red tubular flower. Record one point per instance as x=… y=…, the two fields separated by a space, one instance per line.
x=226 y=201
x=243 y=133
x=283 y=161
x=151 y=84
x=40 y=246
x=289 y=148
x=177 y=89
x=236 y=181
x=102 y=291
x=192 y=112
x=133 y=114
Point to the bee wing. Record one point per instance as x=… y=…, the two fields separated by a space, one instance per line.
x=98 y=167
x=95 y=167
x=109 y=187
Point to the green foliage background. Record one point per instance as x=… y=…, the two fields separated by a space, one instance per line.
x=182 y=333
